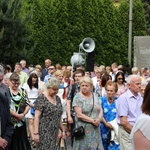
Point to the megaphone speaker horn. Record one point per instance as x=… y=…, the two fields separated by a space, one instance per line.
x=87 y=45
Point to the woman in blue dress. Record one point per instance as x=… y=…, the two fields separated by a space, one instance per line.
x=109 y=115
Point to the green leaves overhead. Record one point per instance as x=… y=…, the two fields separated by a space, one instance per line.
x=40 y=29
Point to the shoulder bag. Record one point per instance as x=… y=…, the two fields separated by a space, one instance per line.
x=79 y=132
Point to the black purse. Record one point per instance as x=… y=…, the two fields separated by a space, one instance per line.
x=79 y=131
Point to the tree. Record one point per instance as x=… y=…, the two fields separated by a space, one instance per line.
x=12 y=31
x=146 y=5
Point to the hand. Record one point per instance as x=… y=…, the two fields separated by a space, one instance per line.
x=96 y=122
x=108 y=125
x=36 y=138
x=70 y=120
x=3 y=143
x=63 y=135
x=20 y=116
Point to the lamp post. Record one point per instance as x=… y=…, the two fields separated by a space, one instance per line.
x=130 y=33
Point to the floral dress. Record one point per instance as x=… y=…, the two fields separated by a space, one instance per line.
x=49 y=122
x=92 y=138
x=109 y=113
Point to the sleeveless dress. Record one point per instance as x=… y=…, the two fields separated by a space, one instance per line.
x=49 y=122
x=109 y=113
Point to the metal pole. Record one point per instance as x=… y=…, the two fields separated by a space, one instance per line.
x=130 y=33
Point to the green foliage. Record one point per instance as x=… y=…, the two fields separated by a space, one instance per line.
x=146 y=5
x=12 y=31
x=38 y=29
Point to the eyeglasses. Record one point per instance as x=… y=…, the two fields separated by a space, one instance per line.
x=50 y=68
x=15 y=83
x=120 y=78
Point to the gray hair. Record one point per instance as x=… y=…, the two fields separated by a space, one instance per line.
x=22 y=61
x=130 y=78
x=7 y=76
x=53 y=83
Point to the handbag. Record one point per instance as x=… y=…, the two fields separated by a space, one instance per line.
x=79 y=131
x=32 y=110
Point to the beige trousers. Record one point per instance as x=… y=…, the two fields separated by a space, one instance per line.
x=124 y=139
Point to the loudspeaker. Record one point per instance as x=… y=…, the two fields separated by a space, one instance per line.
x=77 y=59
x=87 y=45
x=90 y=61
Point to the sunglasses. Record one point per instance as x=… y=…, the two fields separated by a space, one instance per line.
x=120 y=78
x=15 y=83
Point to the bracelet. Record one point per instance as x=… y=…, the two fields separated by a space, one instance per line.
x=36 y=133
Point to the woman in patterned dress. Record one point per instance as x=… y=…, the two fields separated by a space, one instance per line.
x=109 y=114
x=87 y=117
x=47 y=120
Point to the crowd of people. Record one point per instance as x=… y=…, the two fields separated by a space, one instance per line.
x=107 y=109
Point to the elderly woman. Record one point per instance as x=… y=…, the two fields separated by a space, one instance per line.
x=48 y=111
x=18 y=110
x=109 y=115
x=88 y=114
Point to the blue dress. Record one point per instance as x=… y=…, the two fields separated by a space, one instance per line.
x=109 y=113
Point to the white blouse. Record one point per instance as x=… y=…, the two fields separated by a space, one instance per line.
x=142 y=124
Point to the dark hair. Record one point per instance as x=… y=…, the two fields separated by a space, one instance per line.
x=146 y=100
x=118 y=74
x=80 y=71
x=17 y=63
x=29 y=81
x=8 y=67
x=122 y=68
x=14 y=77
x=105 y=78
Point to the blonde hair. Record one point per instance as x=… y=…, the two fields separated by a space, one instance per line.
x=58 y=72
x=38 y=67
x=58 y=67
x=66 y=73
x=111 y=83
x=86 y=79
